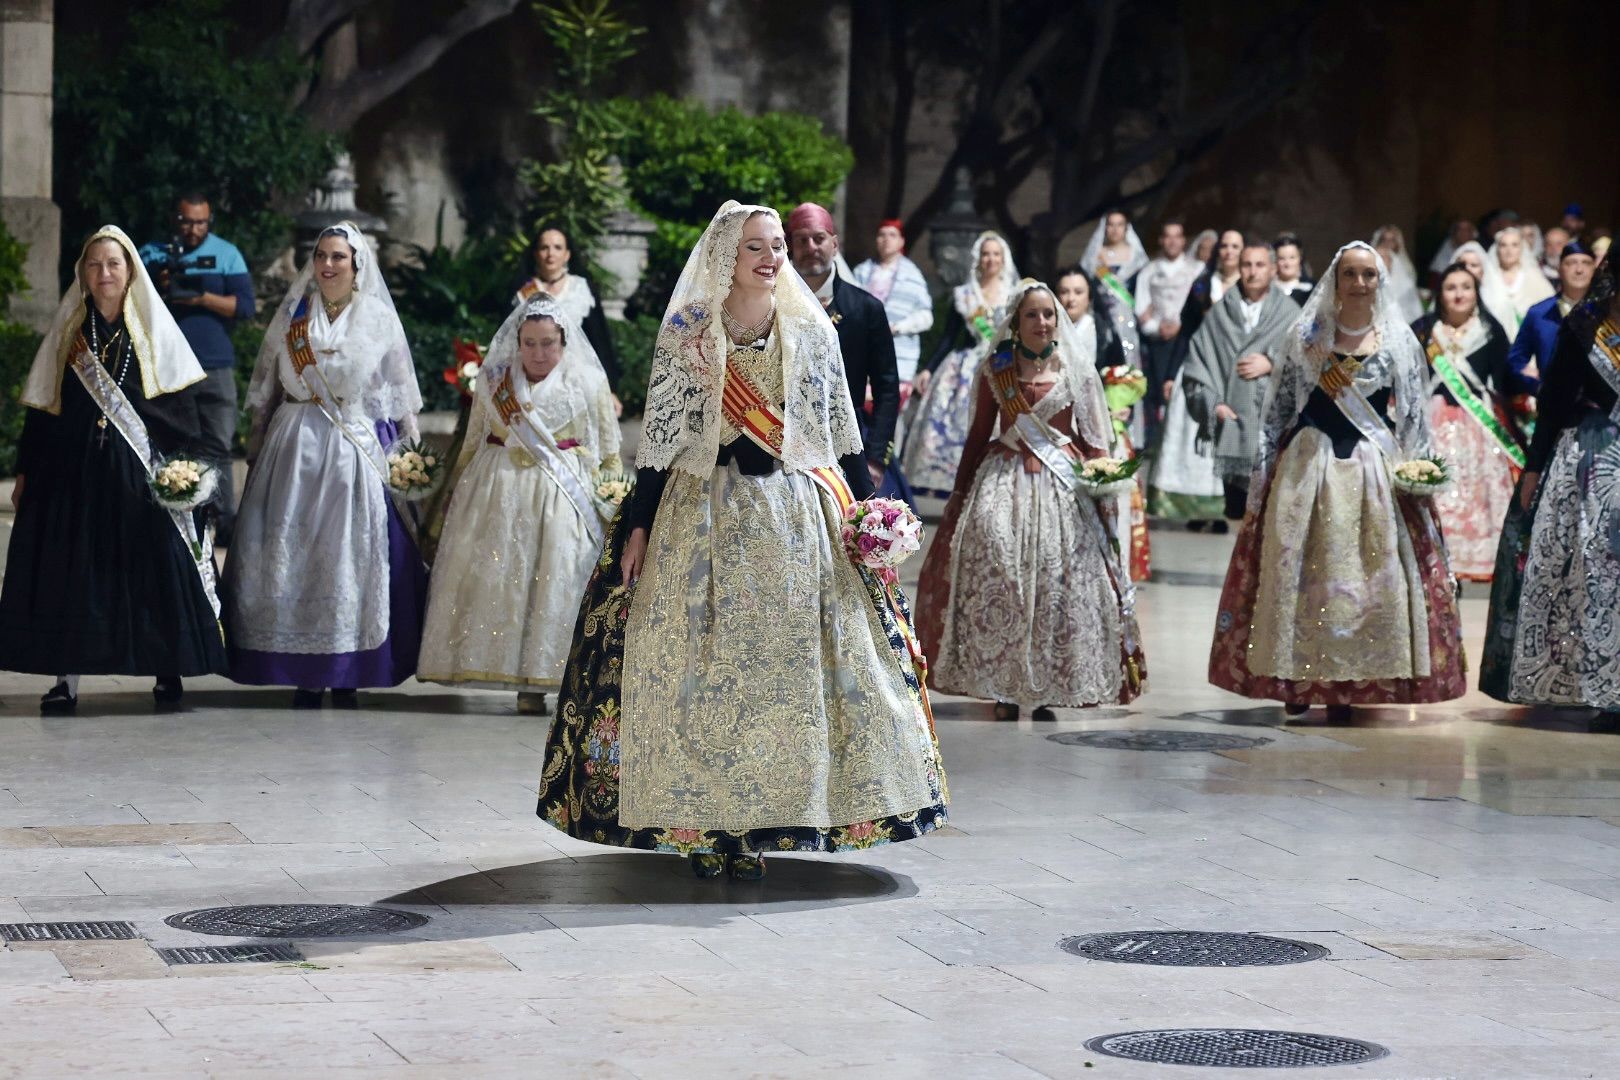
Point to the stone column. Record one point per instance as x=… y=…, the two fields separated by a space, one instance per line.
x=25 y=152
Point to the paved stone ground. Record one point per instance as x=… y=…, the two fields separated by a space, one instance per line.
x=1461 y=864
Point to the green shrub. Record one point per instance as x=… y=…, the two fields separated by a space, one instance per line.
x=246 y=337
x=633 y=340
x=163 y=103
x=17 y=347
x=13 y=256
x=682 y=161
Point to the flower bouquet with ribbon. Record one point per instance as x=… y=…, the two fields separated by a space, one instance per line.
x=1424 y=477
x=414 y=470
x=1106 y=477
x=183 y=484
x=880 y=534
x=1123 y=387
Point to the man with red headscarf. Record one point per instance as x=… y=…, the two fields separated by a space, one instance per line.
x=864 y=338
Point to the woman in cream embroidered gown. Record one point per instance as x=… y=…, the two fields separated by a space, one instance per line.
x=1024 y=597
x=521 y=537
x=945 y=381
x=324 y=587
x=1339 y=591
x=737 y=685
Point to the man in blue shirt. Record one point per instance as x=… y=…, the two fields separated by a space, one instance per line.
x=1533 y=348
x=211 y=289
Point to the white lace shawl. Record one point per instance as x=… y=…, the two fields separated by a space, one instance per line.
x=1092 y=258
x=1398 y=362
x=363 y=354
x=681 y=421
x=1509 y=303
x=575 y=393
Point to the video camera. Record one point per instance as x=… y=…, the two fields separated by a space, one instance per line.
x=171 y=268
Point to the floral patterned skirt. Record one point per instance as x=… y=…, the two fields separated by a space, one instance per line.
x=580 y=783
x=1273 y=582
x=1472 y=509
x=935 y=440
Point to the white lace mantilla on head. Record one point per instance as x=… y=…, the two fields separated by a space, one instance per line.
x=1397 y=363
x=682 y=422
x=362 y=353
x=575 y=393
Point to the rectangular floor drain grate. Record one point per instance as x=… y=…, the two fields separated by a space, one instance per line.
x=231 y=954
x=67 y=931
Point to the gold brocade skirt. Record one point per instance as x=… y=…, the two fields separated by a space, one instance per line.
x=759 y=686
x=1340 y=597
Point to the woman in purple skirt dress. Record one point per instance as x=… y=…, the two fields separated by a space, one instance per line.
x=324 y=587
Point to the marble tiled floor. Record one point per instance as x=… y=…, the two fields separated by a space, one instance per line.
x=1461 y=863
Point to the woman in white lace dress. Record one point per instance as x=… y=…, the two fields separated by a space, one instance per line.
x=324 y=586
x=737 y=684
x=1023 y=596
x=1513 y=281
x=525 y=523
x=945 y=381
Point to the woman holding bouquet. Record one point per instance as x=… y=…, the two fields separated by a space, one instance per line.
x=1023 y=595
x=1124 y=387
x=737 y=684
x=525 y=523
x=945 y=382
x=324 y=587
x=101 y=578
x=1339 y=591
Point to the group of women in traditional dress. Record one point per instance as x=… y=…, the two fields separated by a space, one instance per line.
x=729 y=680
x=323 y=587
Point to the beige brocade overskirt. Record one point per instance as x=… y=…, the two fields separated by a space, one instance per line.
x=1339 y=598
x=759 y=689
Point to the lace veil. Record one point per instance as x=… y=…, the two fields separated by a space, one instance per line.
x=372 y=358
x=1092 y=256
x=1091 y=421
x=681 y=420
x=576 y=390
x=1397 y=362
x=968 y=296
x=1532 y=287
x=165 y=357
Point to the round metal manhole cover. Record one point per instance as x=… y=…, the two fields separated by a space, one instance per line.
x=296 y=920
x=1236 y=1048
x=1158 y=740
x=1187 y=948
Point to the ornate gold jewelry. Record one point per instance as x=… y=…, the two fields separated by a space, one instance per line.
x=743 y=334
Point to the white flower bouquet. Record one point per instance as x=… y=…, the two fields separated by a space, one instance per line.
x=1106 y=477
x=880 y=534
x=414 y=470
x=613 y=488
x=183 y=484
x=1424 y=477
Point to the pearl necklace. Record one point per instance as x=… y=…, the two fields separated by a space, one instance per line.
x=743 y=334
x=1352 y=331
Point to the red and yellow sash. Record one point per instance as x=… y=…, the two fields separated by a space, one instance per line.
x=529 y=289
x=750 y=412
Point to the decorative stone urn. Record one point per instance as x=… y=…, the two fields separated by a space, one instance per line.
x=622 y=251
x=332 y=202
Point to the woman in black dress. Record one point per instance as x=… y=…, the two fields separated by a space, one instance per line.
x=100 y=579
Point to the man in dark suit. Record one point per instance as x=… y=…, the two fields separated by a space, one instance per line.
x=863 y=337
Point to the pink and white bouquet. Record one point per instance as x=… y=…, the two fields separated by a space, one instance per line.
x=880 y=534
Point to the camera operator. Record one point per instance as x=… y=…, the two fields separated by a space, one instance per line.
x=206 y=283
